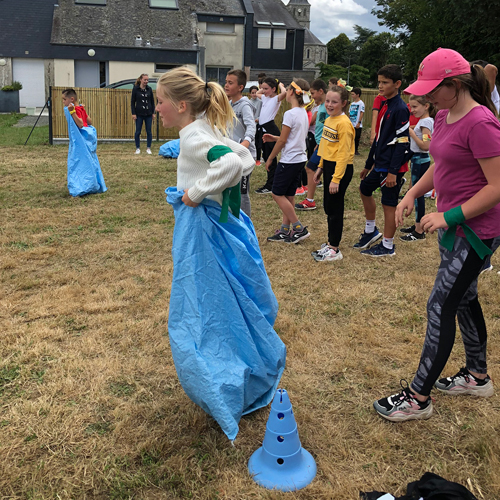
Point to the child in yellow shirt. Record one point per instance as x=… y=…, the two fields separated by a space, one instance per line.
x=336 y=150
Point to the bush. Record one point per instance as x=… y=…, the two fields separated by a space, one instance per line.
x=14 y=86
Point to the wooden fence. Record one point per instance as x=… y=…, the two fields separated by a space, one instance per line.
x=112 y=117
x=110 y=112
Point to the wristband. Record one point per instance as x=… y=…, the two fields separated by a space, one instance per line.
x=455 y=217
x=72 y=112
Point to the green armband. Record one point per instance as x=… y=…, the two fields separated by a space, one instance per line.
x=231 y=199
x=217 y=151
x=455 y=217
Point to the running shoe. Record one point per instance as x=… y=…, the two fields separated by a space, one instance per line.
x=366 y=239
x=403 y=406
x=306 y=205
x=296 y=236
x=465 y=383
x=380 y=251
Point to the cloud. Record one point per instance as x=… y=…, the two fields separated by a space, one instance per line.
x=329 y=18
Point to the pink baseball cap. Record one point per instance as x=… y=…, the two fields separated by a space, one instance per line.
x=440 y=64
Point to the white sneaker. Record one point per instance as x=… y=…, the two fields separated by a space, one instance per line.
x=148 y=151
x=331 y=254
x=137 y=151
x=324 y=248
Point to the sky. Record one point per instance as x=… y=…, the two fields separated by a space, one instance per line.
x=329 y=18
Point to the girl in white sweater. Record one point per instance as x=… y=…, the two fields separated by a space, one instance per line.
x=227 y=355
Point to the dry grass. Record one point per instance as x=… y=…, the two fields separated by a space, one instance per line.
x=90 y=402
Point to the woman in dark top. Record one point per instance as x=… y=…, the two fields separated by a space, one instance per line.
x=143 y=107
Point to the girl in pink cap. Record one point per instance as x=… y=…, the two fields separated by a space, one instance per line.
x=465 y=147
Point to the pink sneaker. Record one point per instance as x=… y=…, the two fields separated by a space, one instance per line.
x=300 y=191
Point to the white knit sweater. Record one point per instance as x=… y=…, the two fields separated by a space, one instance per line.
x=196 y=174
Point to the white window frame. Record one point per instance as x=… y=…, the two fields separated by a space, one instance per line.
x=157 y=4
x=279 y=42
x=264 y=38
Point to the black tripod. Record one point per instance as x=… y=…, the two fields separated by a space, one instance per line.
x=44 y=106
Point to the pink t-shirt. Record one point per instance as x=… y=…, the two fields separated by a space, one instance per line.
x=458 y=176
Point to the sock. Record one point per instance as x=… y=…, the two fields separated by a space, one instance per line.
x=388 y=242
x=310 y=199
x=284 y=228
x=297 y=226
x=369 y=226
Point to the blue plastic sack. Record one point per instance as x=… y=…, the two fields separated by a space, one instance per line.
x=170 y=149
x=84 y=170
x=228 y=357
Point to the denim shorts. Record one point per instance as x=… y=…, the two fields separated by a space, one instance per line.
x=313 y=162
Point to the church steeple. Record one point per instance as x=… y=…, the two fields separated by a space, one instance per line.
x=301 y=11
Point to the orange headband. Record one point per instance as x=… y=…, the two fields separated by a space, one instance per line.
x=299 y=91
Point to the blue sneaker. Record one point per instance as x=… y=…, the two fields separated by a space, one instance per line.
x=366 y=239
x=380 y=251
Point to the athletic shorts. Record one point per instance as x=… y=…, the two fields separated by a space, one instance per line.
x=374 y=180
x=287 y=178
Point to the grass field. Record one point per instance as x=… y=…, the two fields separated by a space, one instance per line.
x=91 y=406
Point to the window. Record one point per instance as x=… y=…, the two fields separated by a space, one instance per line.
x=92 y=2
x=217 y=75
x=220 y=28
x=164 y=4
x=308 y=54
x=279 y=39
x=264 y=40
x=163 y=68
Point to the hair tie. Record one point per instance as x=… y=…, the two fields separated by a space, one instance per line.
x=207 y=88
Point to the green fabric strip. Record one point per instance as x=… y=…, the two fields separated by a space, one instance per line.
x=216 y=152
x=455 y=217
x=231 y=199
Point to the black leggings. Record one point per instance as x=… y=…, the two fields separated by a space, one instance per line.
x=267 y=148
x=310 y=145
x=453 y=297
x=334 y=203
x=357 y=137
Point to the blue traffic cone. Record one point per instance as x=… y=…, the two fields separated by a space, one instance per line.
x=281 y=463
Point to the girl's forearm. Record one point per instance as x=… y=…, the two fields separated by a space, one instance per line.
x=277 y=148
x=483 y=200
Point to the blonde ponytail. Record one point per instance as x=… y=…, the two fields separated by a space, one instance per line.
x=182 y=84
x=219 y=112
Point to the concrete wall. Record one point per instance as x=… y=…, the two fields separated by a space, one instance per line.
x=6 y=72
x=125 y=70
x=223 y=49
x=64 y=73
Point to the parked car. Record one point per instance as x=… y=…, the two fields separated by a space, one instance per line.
x=129 y=84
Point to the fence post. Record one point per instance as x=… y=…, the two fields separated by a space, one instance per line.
x=49 y=102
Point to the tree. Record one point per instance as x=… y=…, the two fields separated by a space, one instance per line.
x=362 y=35
x=468 y=26
x=338 y=48
x=377 y=51
x=358 y=76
